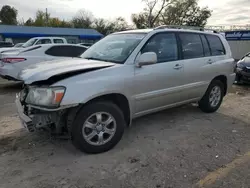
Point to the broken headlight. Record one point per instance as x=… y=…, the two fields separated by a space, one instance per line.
x=23 y=95
x=47 y=97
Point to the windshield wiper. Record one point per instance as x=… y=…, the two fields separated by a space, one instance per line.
x=93 y=58
x=105 y=60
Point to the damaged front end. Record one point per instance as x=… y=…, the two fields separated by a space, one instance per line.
x=57 y=120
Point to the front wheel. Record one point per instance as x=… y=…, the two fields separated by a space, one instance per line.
x=213 y=97
x=98 y=127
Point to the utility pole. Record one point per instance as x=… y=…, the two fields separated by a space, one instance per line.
x=46 y=15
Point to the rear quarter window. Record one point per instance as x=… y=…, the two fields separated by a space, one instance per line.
x=216 y=45
x=58 y=41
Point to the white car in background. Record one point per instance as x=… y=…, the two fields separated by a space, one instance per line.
x=44 y=40
x=13 y=61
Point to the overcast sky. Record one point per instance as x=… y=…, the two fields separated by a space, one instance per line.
x=224 y=11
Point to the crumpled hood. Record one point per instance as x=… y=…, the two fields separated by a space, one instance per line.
x=45 y=70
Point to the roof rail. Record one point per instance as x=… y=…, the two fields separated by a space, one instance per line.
x=185 y=27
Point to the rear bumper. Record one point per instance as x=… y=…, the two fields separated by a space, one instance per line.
x=9 y=72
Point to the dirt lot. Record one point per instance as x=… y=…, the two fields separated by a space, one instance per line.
x=176 y=148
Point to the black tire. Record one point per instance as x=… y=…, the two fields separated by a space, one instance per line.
x=238 y=79
x=92 y=108
x=205 y=104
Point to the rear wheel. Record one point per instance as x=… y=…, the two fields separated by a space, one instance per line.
x=98 y=127
x=213 y=97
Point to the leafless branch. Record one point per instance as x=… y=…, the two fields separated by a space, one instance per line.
x=163 y=6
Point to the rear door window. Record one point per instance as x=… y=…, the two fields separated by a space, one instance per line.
x=58 y=41
x=76 y=51
x=191 y=45
x=65 y=51
x=216 y=45
x=205 y=46
x=44 y=41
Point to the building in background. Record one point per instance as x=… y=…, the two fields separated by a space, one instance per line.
x=239 y=42
x=19 y=34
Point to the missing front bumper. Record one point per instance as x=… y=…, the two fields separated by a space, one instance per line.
x=25 y=120
x=56 y=121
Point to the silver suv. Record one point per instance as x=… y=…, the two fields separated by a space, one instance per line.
x=123 y=76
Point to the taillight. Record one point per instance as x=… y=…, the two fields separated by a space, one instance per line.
x=13 y=59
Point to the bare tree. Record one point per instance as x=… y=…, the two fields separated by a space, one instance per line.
x=83 y=19
x=171 y=12
x=185 y=12
x=109 y=26
x=151 y=13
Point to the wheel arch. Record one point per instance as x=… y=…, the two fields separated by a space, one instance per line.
x=223 y=79
x=119 y=99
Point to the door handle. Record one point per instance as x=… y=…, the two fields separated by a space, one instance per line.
x=177 y=66
x=210 y=61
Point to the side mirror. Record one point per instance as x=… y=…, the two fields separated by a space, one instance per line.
x=147 y=58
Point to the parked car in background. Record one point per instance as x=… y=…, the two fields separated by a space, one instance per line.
x=18 y=45
x=93 y=98
x=6 y=44
x=13 y=61
x=38 y=41
x=243 y=69
x=44 y=40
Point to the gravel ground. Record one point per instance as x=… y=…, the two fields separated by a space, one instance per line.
x=175 y=148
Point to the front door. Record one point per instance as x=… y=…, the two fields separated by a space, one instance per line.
x=157 y=85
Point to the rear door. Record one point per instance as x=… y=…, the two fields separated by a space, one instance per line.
x=219 y=62
x=195 y=59
x=203 y=56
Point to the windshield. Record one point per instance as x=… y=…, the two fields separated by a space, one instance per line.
x=29 y=43
x=114 y=48
x=19 y=45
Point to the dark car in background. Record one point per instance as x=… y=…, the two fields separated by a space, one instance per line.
x=6 y=44
x=243 y=69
